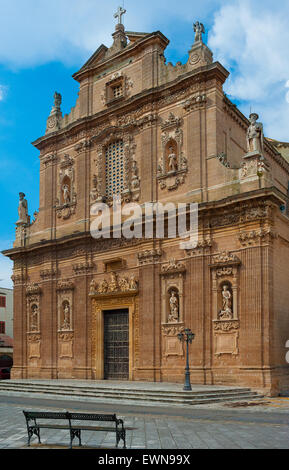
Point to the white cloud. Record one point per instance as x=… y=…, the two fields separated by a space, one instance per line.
x=252 y=41
x=33 y=32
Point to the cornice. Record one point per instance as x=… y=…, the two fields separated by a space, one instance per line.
x=151 y=96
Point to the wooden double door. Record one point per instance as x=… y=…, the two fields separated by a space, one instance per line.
x=116 y=344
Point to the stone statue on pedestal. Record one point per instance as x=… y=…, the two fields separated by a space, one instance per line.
x=226 y=312
x=23 y=210
x=255 y=136
x=199 y=30
x=174 y=308
x=173 y=164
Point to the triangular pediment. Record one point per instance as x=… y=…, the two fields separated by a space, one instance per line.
x=95 y=59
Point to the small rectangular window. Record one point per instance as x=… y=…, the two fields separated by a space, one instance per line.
x=2 y=327
x=2 y=301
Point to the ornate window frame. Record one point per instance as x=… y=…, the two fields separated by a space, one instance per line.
x=131 y=181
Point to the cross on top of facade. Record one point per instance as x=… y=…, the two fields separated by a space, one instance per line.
x=121 y=11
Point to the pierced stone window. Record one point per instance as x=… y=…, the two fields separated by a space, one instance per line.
x=117 y=91
x=114 y=168
x=114 y=90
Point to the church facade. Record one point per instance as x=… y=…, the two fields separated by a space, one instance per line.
x=113 y=308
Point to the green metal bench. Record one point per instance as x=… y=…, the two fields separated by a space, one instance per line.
x=68 y=422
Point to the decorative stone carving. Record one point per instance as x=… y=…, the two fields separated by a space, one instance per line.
x=194 y=102
x=173 y=266
x=199 y=30
x=226 y=312
x=33 y=293
x=83 y=268
x=255 y=135
x=131 y=182
x=172 y=292
x=83 y=145
x=24 y=218
x=94 y=195
x=115 y=285
x=172 y=346
x=34 y=347
x=49 y=160
x=256 y=237
x=55 y=117
x=65 y=305
x=203 y=247
x=226 y=342
x=174 y=307
x=172 y=166
x=66 y=201
x=225 y=300
x=47 y=274
x=65 y=285
x=149 y=256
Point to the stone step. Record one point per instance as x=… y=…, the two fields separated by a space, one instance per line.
x=123 y=391
x=137 y=401
x=101 y=390
x=190 y=398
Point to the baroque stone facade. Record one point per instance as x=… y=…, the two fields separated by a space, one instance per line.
x=160 y=133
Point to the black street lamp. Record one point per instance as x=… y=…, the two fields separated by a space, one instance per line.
x=188 y=337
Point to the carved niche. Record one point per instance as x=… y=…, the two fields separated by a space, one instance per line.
x=66 y=195
x=65 y=306
x=225 y=291
x=130 y=177
x=172 y=306
x=33 y=296
x=172 y=166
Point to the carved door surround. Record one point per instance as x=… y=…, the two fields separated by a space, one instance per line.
x=225 y=302
x=113 y=299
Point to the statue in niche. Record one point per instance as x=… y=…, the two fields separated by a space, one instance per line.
x=23 y=210
x=199 y=30
x=226 y=312
x=66 y=194
x=174 y=308
x=255 y=135
x=34 y=318
x=172 y=157
x=66 y=316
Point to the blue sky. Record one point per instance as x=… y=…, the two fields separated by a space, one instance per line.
x=43 y=43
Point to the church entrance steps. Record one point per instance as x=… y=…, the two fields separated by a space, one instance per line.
x=126 y=392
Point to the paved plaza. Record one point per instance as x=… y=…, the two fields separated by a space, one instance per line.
x=261 y=426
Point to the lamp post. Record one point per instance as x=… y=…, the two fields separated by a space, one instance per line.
x=187 y=336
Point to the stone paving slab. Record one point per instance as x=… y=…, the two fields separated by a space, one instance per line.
x=151 y=432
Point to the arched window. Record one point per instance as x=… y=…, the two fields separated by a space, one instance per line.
x=114 y=168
